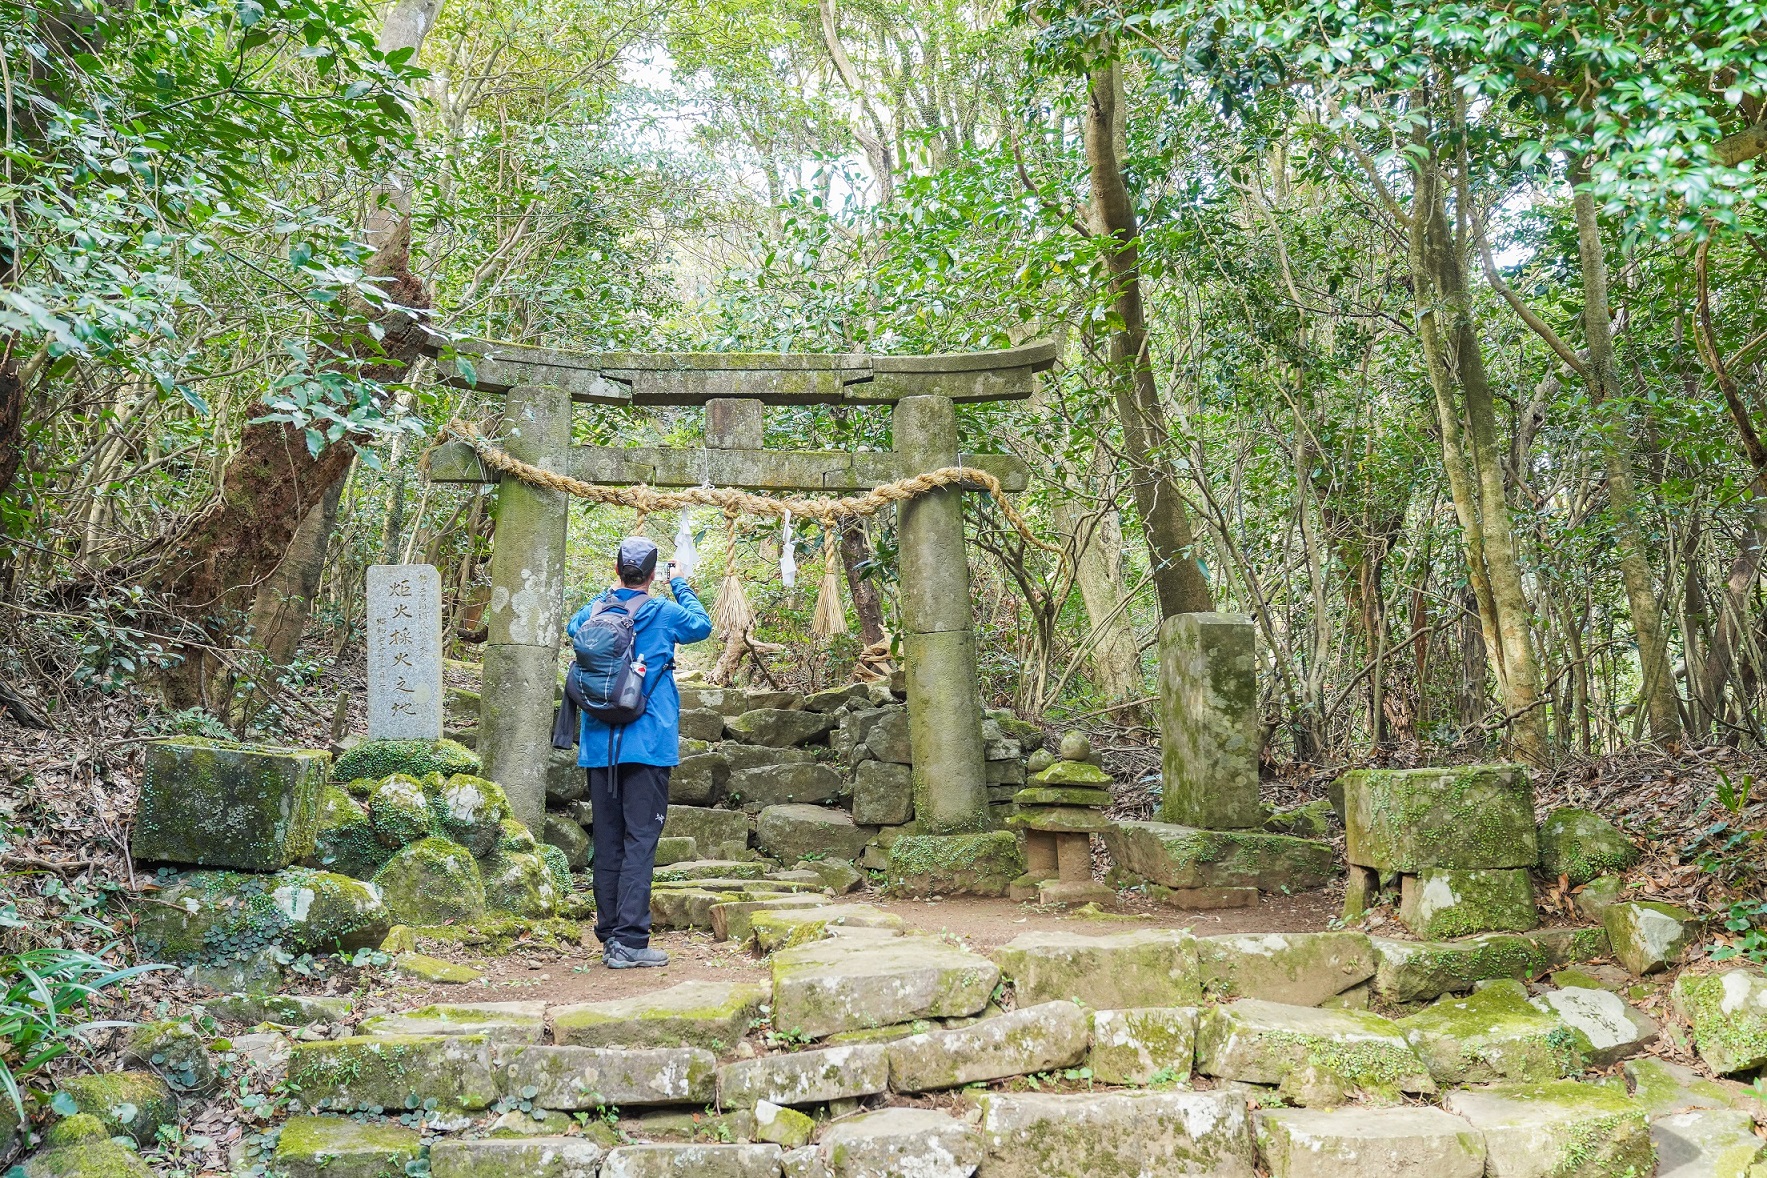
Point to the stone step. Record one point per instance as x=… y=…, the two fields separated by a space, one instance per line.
x=497 y=1022
x=1147 y=967
x=692 y=1161
x=694 y=869
x=899 y=1142
x=1318 y=1055
x=1492 y=1035
x=396 y=1072
x=1663 y=1087
x=1366 y=1142
x=533 y=1157
x=1144 y=1044
x=573 y=1078
x=805 y=1077
x=1560 y=1128
x=1609 y=1027
x=1301 y=969
x=686 y=907
x=838 y=985
x=782 y=929
x=1117 y=1135
x=1422 y=971
x=1705 y=1143
x=732 y=919
x=329 y=1147
x=1028 y=1040
x=709 y=1015
x=1184 y=857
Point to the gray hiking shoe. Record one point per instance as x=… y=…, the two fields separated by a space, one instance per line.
x=620 y=956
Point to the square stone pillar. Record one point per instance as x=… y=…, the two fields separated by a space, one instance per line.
x=938 y=641
x=526 y=616
x=1209 y=721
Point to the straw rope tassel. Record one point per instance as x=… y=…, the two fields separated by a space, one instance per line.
x=731 y=613
x=830 y=617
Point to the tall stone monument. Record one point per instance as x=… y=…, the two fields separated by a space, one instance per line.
x=1209 y=721
x=404 y=652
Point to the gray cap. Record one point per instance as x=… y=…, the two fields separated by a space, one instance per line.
x=636 y=558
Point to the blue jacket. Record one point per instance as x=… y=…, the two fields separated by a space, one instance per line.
x=655 y=737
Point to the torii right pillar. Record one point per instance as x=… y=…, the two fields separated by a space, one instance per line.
x=1209 y=721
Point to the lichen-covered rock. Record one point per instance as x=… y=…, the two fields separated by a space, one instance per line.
x=571 y=1078
x=569 y=839
x=783 y=928
x=520 y=883
x=784 y=1127
x=712 y=1015
x=1075 y=819
x=1594 y=898
x=1492 y=1035
x=468 y=809
x=344 y=841
x=1467 y=816
x=394 y=1072
x=898 y=1142
x=288 y=1010
x=1727 y=1013
x=1561 y=1129
x=400 y=812
x=432 y=882
x=685 y=908
x=790 y=832
x=534 y=1157
x=1362 y=1143
x=886 y=736
x=1146 y=967
x=80 y=1147
x=832 y=986
x=1647 y=936
x=954 y=864
x=777 y=727
x=1184 y=857
x=719 y=834
x=802 y=782
x=1421 y=971
x=1302 y=969
x=732 y=919
x=416 y=759
x=1030 y=1039
x=1704 y=1143
x=1264 y=1042
x=760 y=1160
x=128 y=1104
x=1567 y=944
x=1144 y=1045
x=1606 y=1025
x=175 y=1050
x=838 y=875
x=1663 y=1087
x=495 y=1022
x=1309 y=820
x=1581 y=845
x=224 y=916
x=883 y=793
x=1117 y=1135
x=1071 y=774
x=699 y=778
x=339 y=1147
x=1440 y=903
x=805 y=1077
x=215 y=803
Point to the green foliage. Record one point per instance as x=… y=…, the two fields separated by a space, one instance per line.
x=414 y=758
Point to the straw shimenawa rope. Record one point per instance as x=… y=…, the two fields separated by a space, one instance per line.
x=732 y=501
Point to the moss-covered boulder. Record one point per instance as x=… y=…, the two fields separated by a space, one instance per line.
x=224 y=916
x=432 y=881
x=955 y=864
x=1146 y=967
x=1647 y=936
x=339 y=1147
x=1422 y=971
x=570 y=841
x=512 y=835
x=394 y=1072
x=1563 y=1129
x=1309 y=820
x=1441 y=903
x=345 y=842
x=215 y=803
x=1492 y=1035
x=1581 y=845
x=1186 y=858
x=400 y=813
x=1320 y=1057
x=1143 y=1045
x=468 y=809
x=379 y=759
x=175 y=1050
x=128 y=1104
x=560 y=869
x=81 y=1147
x=521 y=884
x=1468 y=816
x=1727 y=1013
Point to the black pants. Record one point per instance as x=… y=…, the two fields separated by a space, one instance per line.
x=627 y=822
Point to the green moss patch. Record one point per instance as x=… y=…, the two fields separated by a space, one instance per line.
x=414 y=758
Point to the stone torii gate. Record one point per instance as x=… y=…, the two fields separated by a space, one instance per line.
x=526 y=614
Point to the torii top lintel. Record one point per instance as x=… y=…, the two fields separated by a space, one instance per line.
x=774 y=378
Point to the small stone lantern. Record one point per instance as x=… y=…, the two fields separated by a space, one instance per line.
x=1062 y=804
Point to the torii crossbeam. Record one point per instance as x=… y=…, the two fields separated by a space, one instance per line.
x=526 y=612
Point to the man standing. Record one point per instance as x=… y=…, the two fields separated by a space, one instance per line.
x=629 y=764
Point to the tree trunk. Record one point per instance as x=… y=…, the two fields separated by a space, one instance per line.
x=1178 y=579
x=867 y=602
x=1098 y=567
x=279 y=614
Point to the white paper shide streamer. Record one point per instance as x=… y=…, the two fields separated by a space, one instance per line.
x=788 y=557
x=686 y=555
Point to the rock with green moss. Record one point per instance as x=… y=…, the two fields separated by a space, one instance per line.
x=719 y=834
x=1468 y=816
x=895 y=1142
x=1309 y=820
x=1029 y=1040
x=572 y=1078
x=81 y=1147
x=782 y=928
x=399 y=811
x=837 y=985
x=536 y=1157
x=1606 y=1026
x=425 y=968
x=1422 y=971
x=789 y=832
x=214 y=803
x=174 y=1049
x=468 y=809
x=777 y=727
x=1704 y=1143
x=1316 y=1143
x=414 y=758
x=520 y=883
x=1492 y=1035
x=838 y=875
x=1143 y=1045
x=338 y=1147
x=1303 y=969
x=1070 y=774
x=1061 y=795
x=673 y=849
x=1663 y=1087
x=433 y=881
x=395 y=1072
x=1440 y=903
x=732 y=919
x=569 y=840
x=712 y=1015
x=693 y=1160
x=1186 y=858
x=1594 y=898
x=222 y=916
x=1727 y=1013
x=539 y=1122
x=561 y=874
x=687 y=907
x=129 y=1104
x=1269 y=1042
x=1647 y=936
x=512 y=835
x=702 y=869
x=1580 y=845
x=955 y=864
x=805 y=1077
x=1146 y=967
x=784 y=1127
x=345 y=841
x=1117 y=1134
x=289 y=1010
x=496 y=1022
x=1560 y=1129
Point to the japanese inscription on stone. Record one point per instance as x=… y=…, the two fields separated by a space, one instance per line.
x=404 y=652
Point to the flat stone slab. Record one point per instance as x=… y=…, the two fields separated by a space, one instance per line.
x=1468 y=816
x=702 y=869
x=1301 y=969
x=1369 y=1142
x=761 y=786
x=1610 y=1028
x=1420 y=971
x=1143 y=1045
x=1030 y=1039
x=832 y=985
x=783 y=928
x=1440 y=903
x=687 y=907
x=1705 y=1143
x=498 y=1022
x=1147 y=967
x=954 y=864
x=340 y=1147
x=692 y=1161
x=789 y=832
x=1727 y=1013
x=1186 y=858
x=719 y=834
x=1663 y=1087
x=1492 y=1034
x=396 y=1072
x=777 y=727
x=900 y=1143
x=1263 y=1042
x=711 y=1015
x=571 y=1078
x=805 y=1077
x=533 y=1157
x=1646 y=936
x=1117 y=1135
x=732 y=920
x=1558 y=1130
